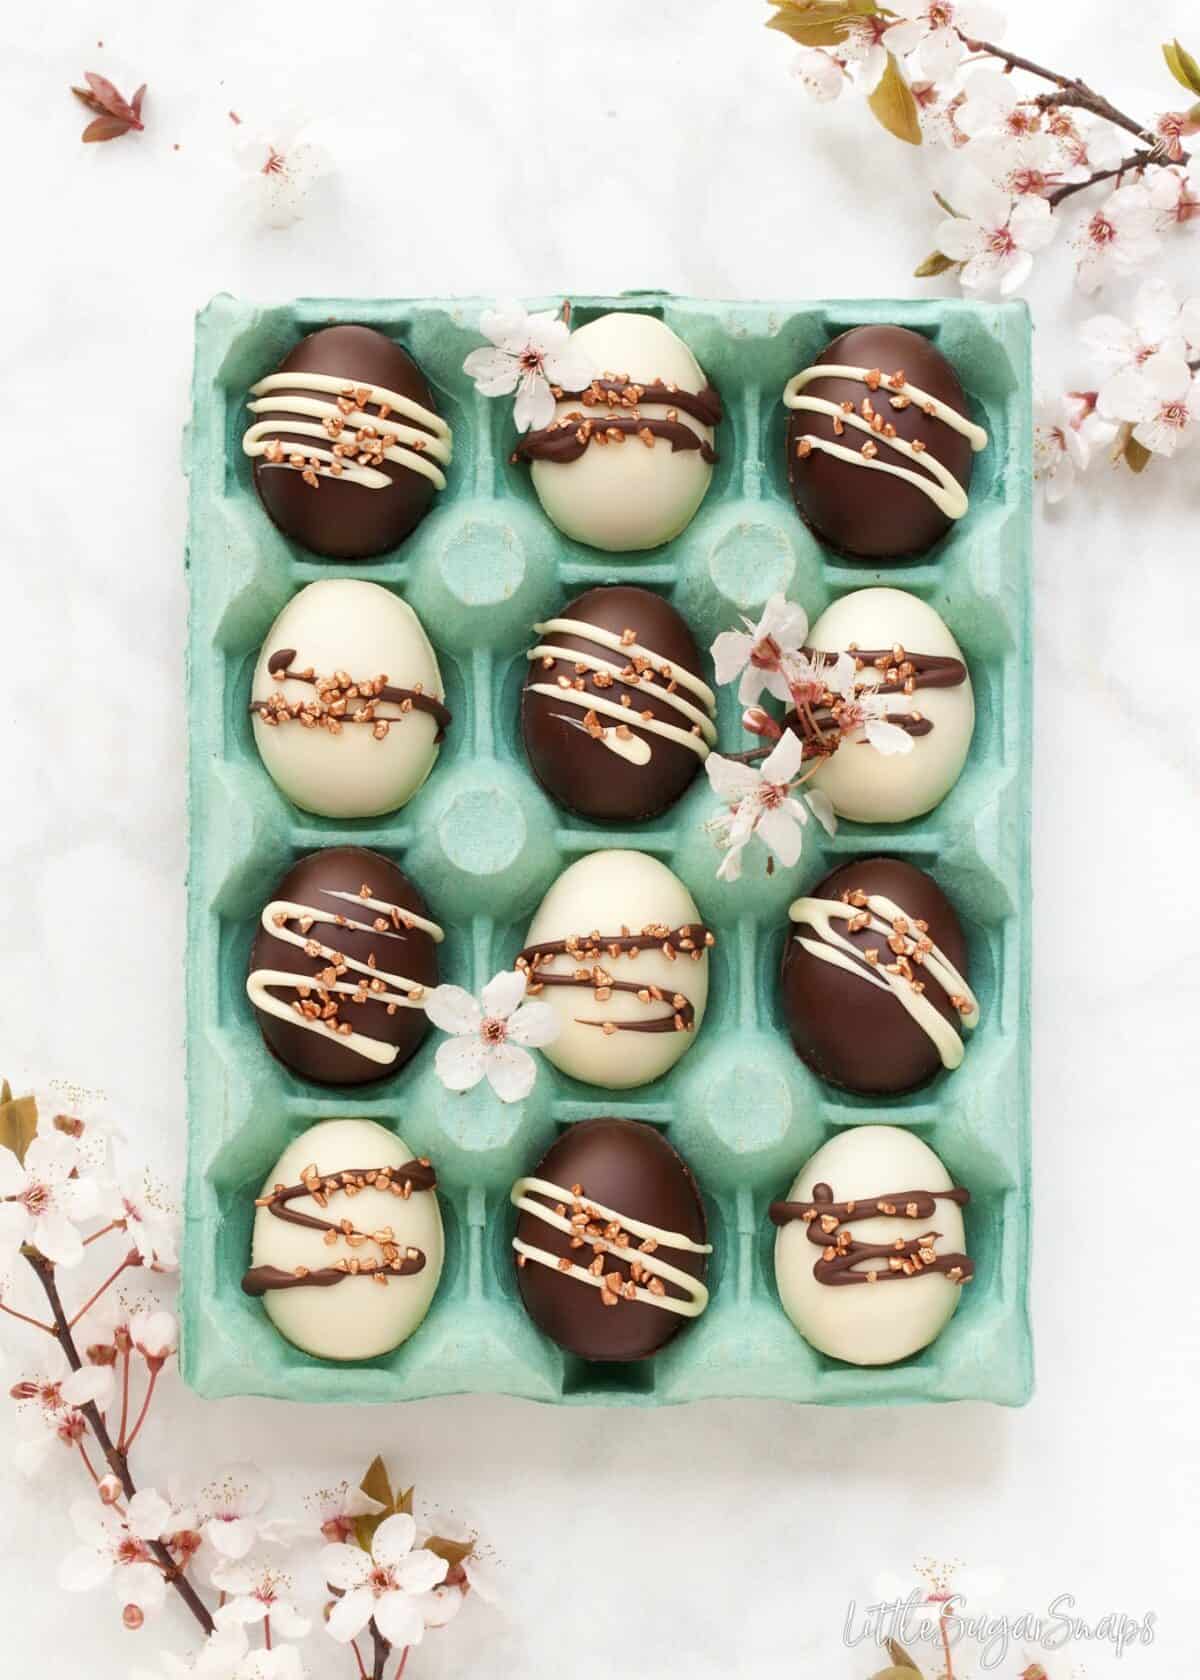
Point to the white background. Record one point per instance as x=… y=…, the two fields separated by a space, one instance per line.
x=502 y=149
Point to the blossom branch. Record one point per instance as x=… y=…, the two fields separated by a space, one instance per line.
x=1071 y=90
x=114 y=1457
x=1135 y=163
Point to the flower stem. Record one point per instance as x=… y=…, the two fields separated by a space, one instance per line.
x=25 y=1319
x=113 y=1225
x=87 y=1463
x=114 y=1456
x=107 y=1284
x=382 y=1652
x=403 y=1663
x=141 y=1417
x=358 y=1659
x=946 y=1644
x=1136 y=161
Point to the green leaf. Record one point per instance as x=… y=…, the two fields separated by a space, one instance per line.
x=900 y=1656
x=935 y=263
x=18 y=1121
x=376 y=1486
x=454 y=1551
x=894 y=105
x=1182 y=66
x=818 y=23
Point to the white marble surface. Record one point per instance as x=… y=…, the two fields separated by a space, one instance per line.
x=519 y=148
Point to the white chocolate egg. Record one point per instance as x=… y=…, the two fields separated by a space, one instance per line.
x=617 y=895
x=381 y=750
x=630 y=494
x=873 y=787
x=356 y=1317
x=894 y=1317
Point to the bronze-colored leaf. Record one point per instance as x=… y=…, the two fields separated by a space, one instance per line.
x=454 y=1551
x=894 y=106
x=818 y=23
x=945 y=204
x=897 y=1673
x=900 y=1656
x=18 y=1121
x=1182 y=66
x=937 y=262
x=104 y=128
x=376 y=1486
x=404 y=1502
x=109 y=99
x=1137 y=457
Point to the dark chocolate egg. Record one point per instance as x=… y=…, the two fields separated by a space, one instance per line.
x=348 y=447
x=344 y=954
x=850 y=503
x=875 y=989
x=610 y=1212
x=616 y=717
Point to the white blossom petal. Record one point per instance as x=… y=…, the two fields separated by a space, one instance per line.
x=511 y=1072
x=148 y=1514
x=534 y=1024
x=350 y=1615
x=784 y=760
x=344 y=1567
x=460 y=1063
x=730 y=781
x=507 y=325
x=494 y=371
x=83 y=1569
x=779 y=830
x=821 y=806
x=534 y=407
x=502 y=994
x=399 y=1620
x=453 y=1009
x=394 y=1538
x=730 y=654
x=420 y=1571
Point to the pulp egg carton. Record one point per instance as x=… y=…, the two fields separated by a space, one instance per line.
x=484 y=843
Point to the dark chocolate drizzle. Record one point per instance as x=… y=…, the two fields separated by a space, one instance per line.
x=903 y=672
x=417 y=1174
x=279 y=668
x=691 y=940
x=566 y=439
x=841 y=1253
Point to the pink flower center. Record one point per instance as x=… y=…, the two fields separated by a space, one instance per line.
x=1001 y=243
x=1100 y=230
x=940 y=16
x=337 y=1530
x=771 y=795
x=765 y=654
x=131 y=1550
x=1022 y=121
x=1175 y=413
x=531 y=360
x=1032 y=181
x=494 y=1031
x=36 y=1198
x=381 y=1580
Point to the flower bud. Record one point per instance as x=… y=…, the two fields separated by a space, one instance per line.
x=70 y=1124
x=109 y=1489
x=132 y=1617
x=762 y=723
x=102 y=1353
x=337 y=1530
x=23 y=1391
x=122 y=1340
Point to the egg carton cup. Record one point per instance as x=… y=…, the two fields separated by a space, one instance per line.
x=484 y=843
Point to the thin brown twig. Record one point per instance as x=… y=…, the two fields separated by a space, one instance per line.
x=133 y=1258
x=382 y=1652
x=1134 y=163
x=114 y=1457
x=25 y=1319
x=141 y=1417
x=1070 y=90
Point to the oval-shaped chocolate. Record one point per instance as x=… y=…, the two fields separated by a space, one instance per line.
x=616 y=717
x=874 y=515
x=344 y=954
x=620 y=1180
x=347 y=462
x=875 y=989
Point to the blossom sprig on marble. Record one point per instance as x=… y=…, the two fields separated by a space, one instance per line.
x=85 y=1381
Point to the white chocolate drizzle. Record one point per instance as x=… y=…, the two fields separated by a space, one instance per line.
x=695 y=1297
x=631 y=748
x=831 y=947
x=408 y=994
x=943 y=489
x=407 y=447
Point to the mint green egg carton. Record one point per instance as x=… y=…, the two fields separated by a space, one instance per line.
x=484 y=843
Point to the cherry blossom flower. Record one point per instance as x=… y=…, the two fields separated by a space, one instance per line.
x=43 y=1200
x=338 y=1507
x=1171 y=127
x=490 y=1038
x=390 y=1584
x=865 y=715
x=155 y=1335
x=115 y=1548
x=227 y=1511
x=1087 y=147
x=1030 y=165
x=1162 y=398
x=1059 y=451
x=995 y=236
x=226 y=1655
x=48 y=1401
x=474 y=1574
x=1175 y=197
x=822 y=75
x=761 y=800
x=939 y=117
x=280 y=167
x=137 y=1210
x=757 y=653
x=1116 y=238
x=995 y=104
x=258 y=1590
x=931 y=29
x=862 y=50
x=1161 y=326
x=529 y=354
